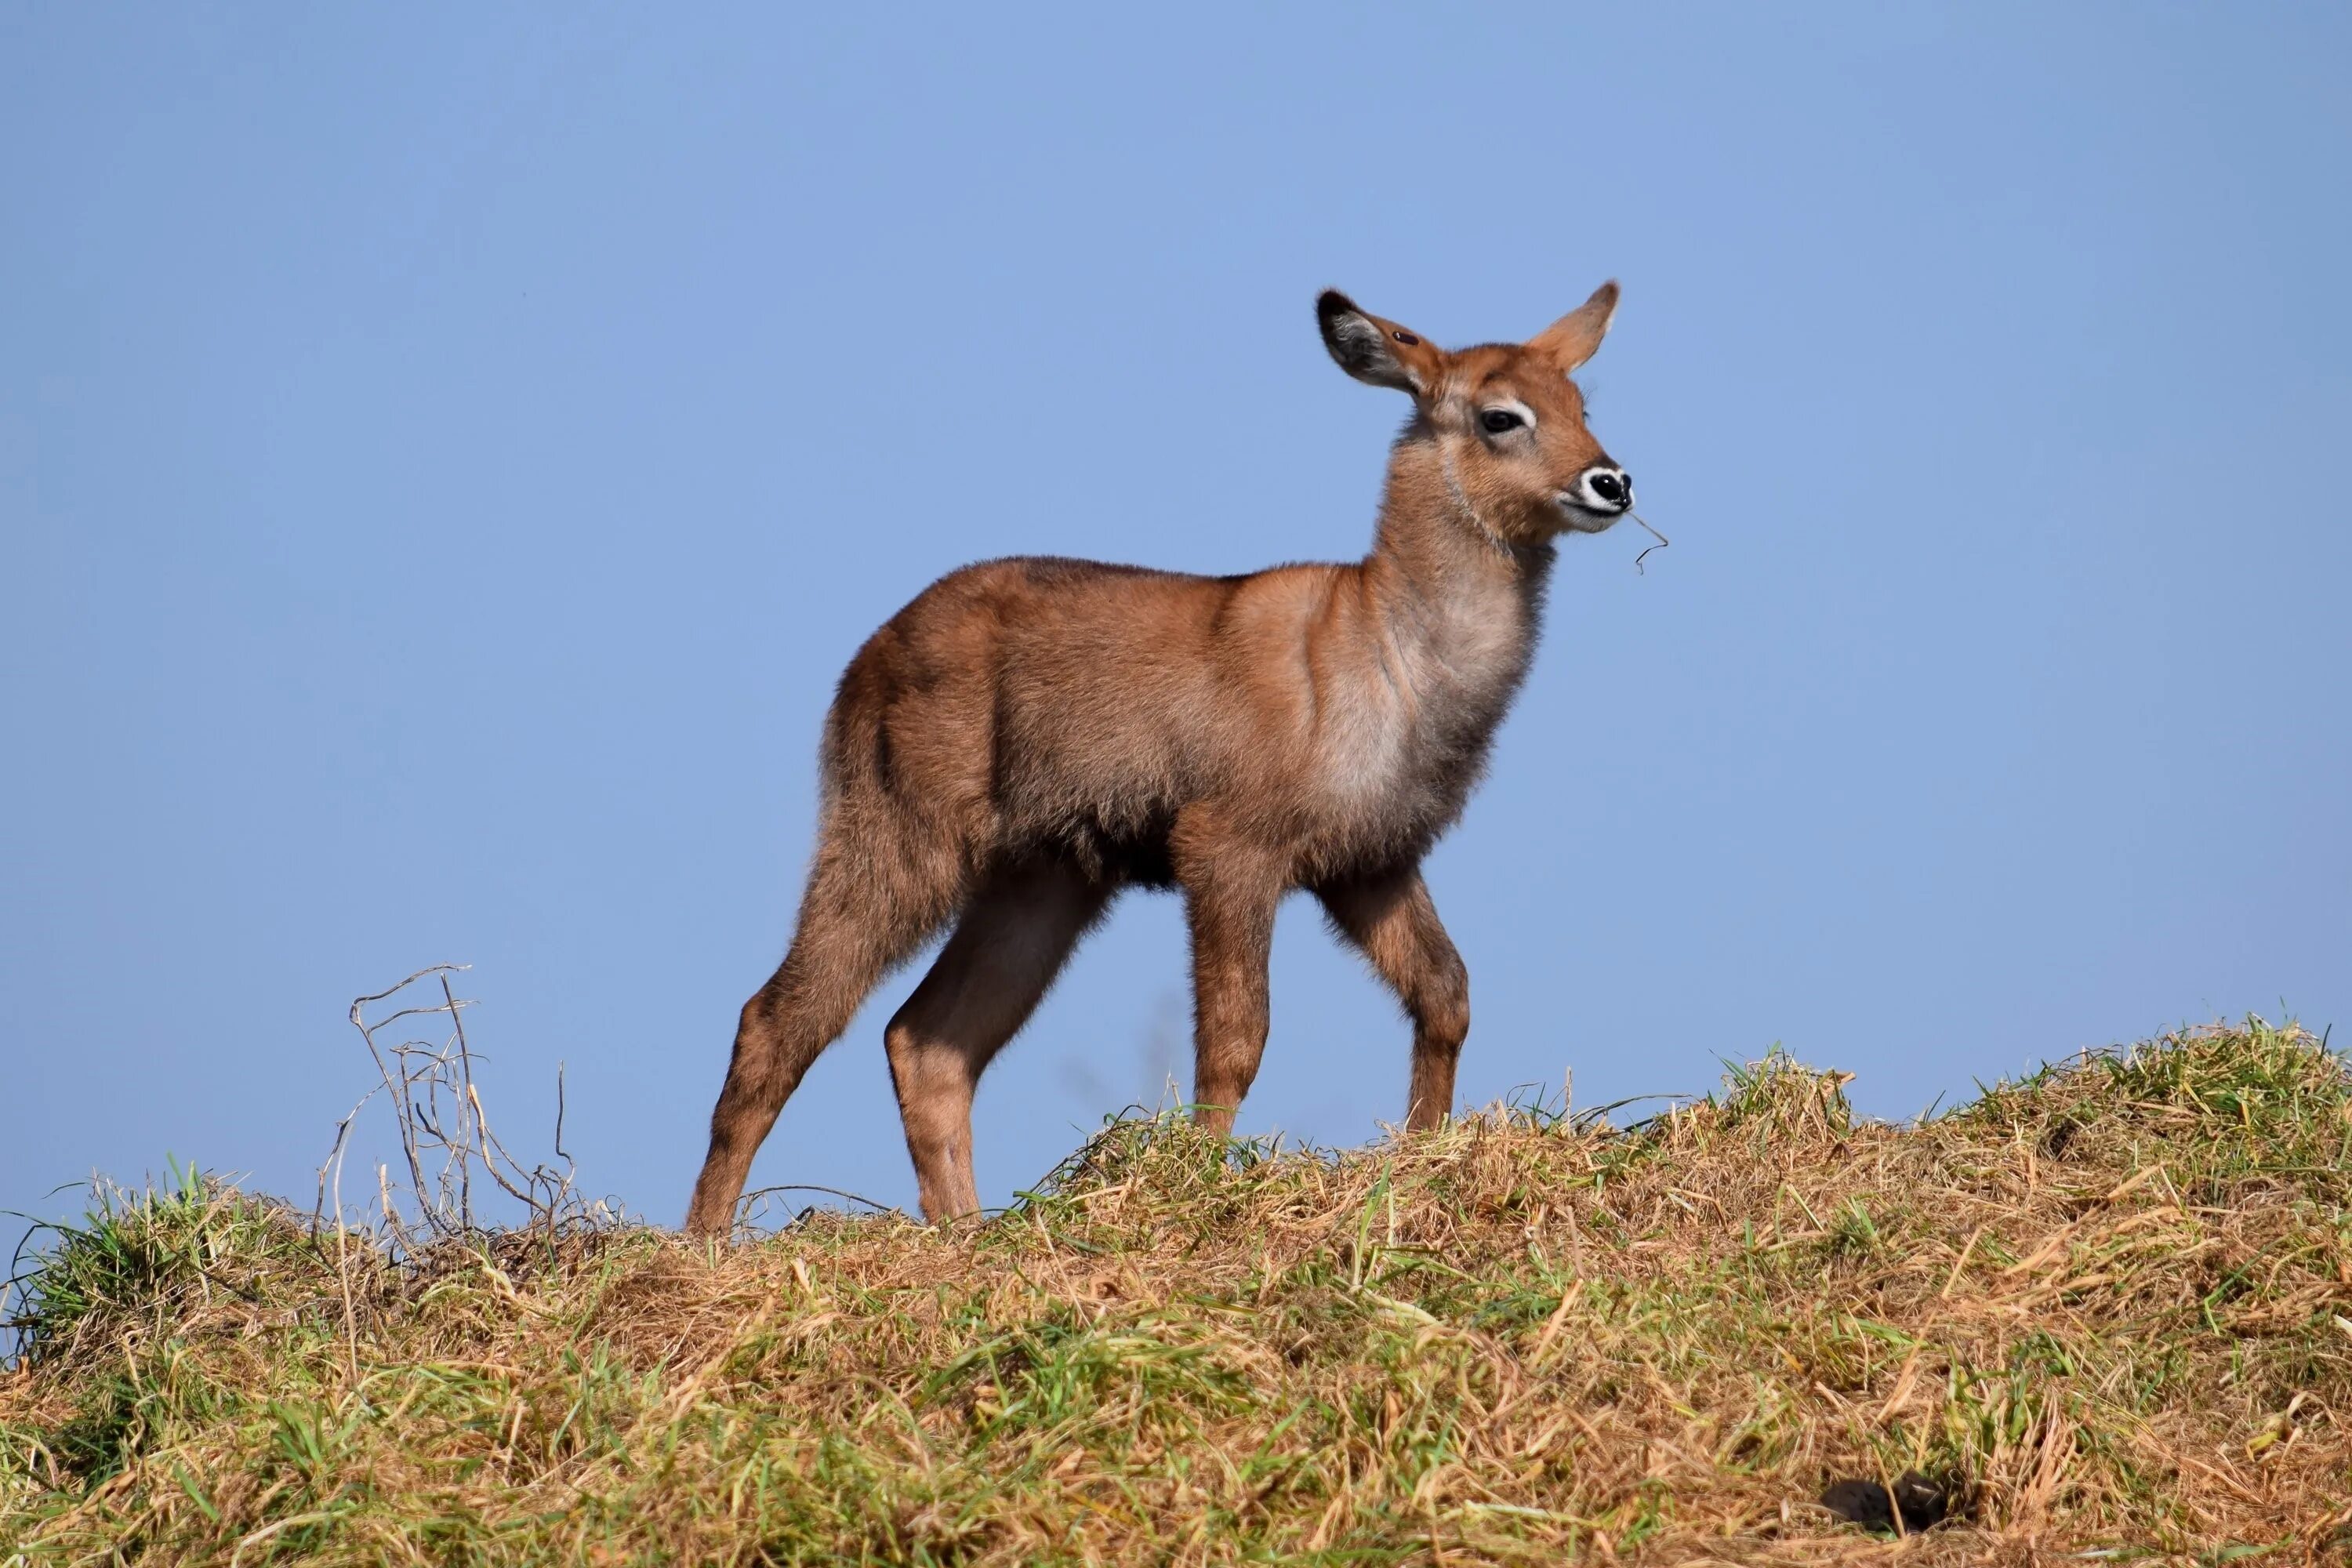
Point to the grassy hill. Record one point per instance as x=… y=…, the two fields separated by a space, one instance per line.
x=2102 y=1313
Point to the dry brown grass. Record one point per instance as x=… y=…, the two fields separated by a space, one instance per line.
x=2109 y=1308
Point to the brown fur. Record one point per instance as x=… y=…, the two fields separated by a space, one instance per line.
x=1030 y=735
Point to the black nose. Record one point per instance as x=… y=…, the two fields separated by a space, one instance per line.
x=1615 y=489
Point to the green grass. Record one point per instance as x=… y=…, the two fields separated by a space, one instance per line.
x=2108 y=1307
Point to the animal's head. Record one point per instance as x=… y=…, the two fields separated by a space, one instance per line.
x=1507 y=421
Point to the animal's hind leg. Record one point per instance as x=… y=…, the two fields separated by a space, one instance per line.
x=858 y=919
x=1391 y=921
x=988 y=979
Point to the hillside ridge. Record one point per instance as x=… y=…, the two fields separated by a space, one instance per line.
x=2106 y=1308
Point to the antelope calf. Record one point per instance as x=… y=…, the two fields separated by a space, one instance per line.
x=1029 y=736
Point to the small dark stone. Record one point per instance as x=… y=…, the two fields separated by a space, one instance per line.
x=1864 y=1503
x=1924 y=1502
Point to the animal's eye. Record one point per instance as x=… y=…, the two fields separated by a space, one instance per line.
x=1495 y=421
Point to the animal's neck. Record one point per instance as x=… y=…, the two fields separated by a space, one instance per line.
x=1463 y=605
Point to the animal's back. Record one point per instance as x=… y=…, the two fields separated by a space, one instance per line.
x=1075 y=705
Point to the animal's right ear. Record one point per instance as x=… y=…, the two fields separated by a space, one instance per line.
x=1375 y=349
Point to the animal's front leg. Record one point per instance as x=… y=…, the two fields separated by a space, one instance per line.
x=1390 y=920
x=1231 y=889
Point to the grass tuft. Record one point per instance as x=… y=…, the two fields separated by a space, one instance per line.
x=2104 y=1311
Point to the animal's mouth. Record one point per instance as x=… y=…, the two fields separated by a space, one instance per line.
x=1586 y=517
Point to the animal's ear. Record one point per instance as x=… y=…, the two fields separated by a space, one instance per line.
x=1372 y=348
x=1570 y=341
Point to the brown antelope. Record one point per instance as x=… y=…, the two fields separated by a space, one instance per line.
x=1029 y=736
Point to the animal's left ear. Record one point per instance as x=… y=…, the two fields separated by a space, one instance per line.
x=1570 y=341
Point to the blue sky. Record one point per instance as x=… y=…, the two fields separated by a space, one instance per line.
x=447 y=457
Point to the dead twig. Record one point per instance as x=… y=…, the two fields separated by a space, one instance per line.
x=444 y=1129
x=1662 y=542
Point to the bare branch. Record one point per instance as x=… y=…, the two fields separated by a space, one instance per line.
x=1662 y=542
x=444 y=1129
